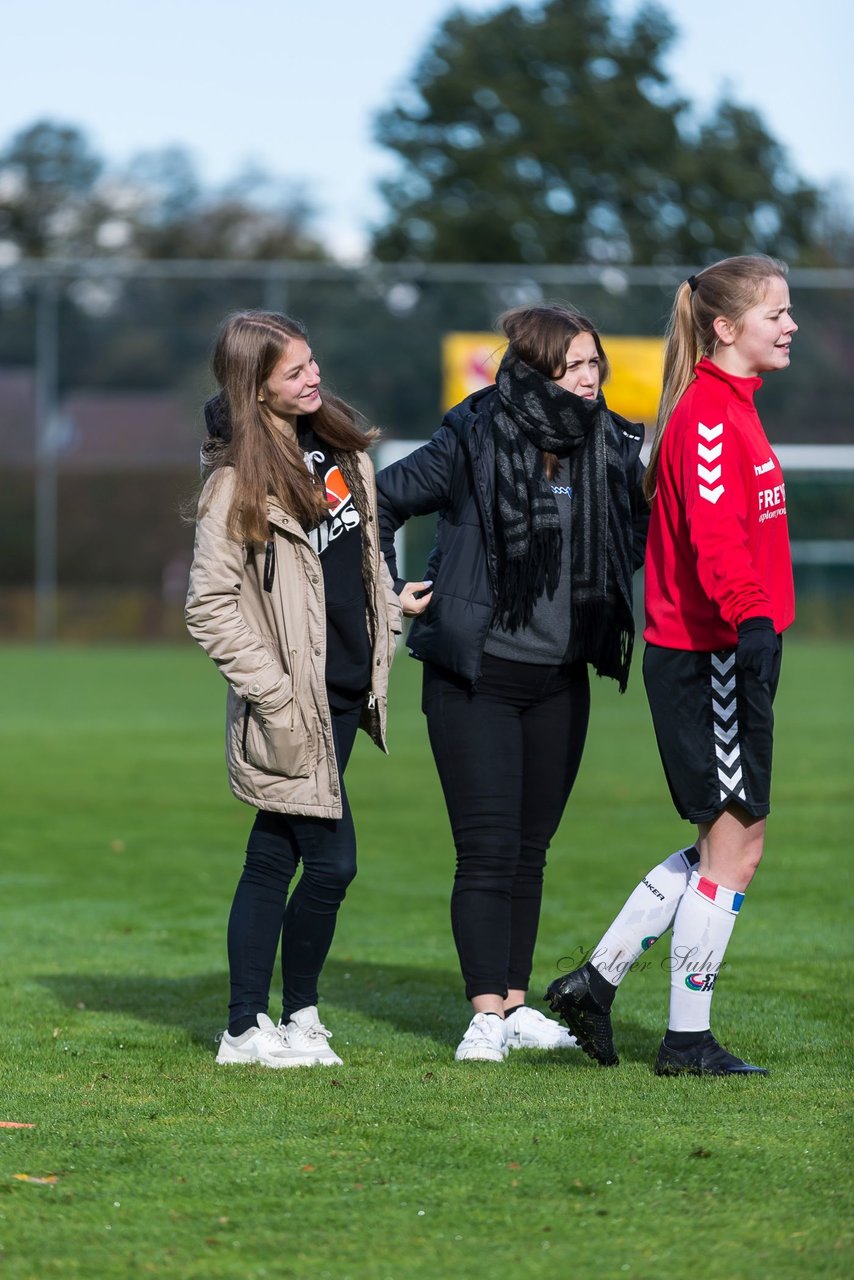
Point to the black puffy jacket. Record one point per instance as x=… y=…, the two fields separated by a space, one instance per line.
x=454 y=474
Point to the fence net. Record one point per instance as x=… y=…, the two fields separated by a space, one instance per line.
x=104 y=369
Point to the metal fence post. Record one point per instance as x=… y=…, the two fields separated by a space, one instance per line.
x=275 y=292
x=46 y=442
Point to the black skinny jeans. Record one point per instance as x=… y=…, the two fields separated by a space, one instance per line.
x=278 y=843
x=507 y=755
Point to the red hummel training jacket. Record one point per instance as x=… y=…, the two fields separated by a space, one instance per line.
x=718 y=547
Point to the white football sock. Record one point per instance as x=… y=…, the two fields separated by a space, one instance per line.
x=646 y=915
x=704 y=923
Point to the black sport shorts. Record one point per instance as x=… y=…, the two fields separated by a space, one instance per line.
x=714 y=725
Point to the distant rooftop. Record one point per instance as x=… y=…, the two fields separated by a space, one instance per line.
x=97 y=430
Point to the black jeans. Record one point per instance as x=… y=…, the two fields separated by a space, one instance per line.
x=278 y=843
x=507 y=755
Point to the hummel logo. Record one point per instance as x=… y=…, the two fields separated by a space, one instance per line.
x=766 y=466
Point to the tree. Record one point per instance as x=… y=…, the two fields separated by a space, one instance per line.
x=48 y=177
x=252 y=217
x=551 y=135
x=58 y=199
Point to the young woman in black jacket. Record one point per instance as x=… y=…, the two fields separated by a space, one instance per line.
x=542 y=522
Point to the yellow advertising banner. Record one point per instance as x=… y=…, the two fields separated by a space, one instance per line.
x=634 y=387
x=470 y=361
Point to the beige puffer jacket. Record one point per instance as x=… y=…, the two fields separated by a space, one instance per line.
x=271 y=648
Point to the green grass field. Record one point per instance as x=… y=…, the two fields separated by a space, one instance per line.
x=120 y=849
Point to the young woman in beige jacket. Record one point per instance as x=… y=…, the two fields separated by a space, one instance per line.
x=291 y=598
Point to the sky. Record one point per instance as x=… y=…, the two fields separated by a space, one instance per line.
x=294 y=86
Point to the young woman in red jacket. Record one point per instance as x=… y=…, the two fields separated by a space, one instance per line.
x=718 y=595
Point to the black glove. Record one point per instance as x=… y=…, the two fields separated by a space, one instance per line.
x=758 y=648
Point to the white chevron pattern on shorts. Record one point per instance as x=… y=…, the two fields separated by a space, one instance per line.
x=708 y=454
x=724 y=707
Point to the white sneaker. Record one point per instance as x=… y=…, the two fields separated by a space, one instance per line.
x=484 y=1040
x=259 y=1044
x=304 y=1039
x=529 y=1029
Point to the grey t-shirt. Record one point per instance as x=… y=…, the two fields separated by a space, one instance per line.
x=545 y=640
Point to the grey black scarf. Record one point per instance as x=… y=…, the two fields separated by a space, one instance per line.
x=536 y=415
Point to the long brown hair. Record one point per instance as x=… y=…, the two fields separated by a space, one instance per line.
x=539 y=336
x=728 y=288
x=266 y=461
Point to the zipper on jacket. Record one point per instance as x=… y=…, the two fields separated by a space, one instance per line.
x=375 y=563
x=246 y=714
x=270 y=566
x=293 y=688
x=372 y=700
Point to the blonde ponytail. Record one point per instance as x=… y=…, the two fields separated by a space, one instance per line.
x=680 y=356
x=728 y=288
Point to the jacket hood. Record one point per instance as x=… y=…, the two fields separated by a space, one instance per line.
x=217 y=418
x=209 y=457
x=476 y=402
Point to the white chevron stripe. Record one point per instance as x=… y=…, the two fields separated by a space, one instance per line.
x=709 y=455
x=710 y=433
x=709 y=474
x=711 y=495
x=729 y=768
